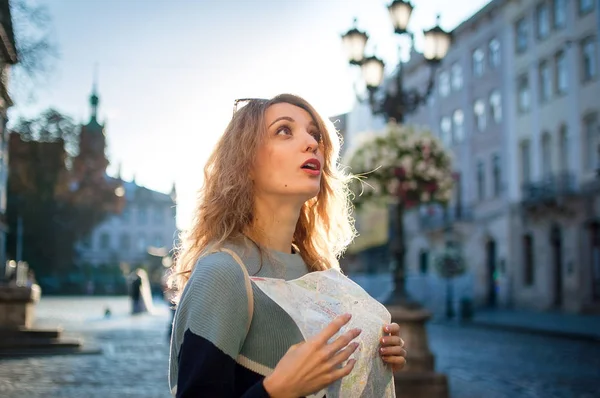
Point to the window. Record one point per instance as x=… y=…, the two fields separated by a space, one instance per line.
x=546 y=155
x=528 y=265
x=494 y=47
x=585 y=6
x=478 y=62
x=142 y=245
x=592 y=141
x=480 y=180
x=457 y=77
x=142 y=216
x=459 y=132
x=525 y=162
x=521 y=35
x=560 y=14
x=479 y=111
x=444 y=84
x=542 y=16
x=562 y=74
x=545 y=75
x=496 y=175
x=524 y=100
x=159 y=215
x=125 y=242
x=588 y=48
x=104 y=241
x=496 y=106
x=126 y=215
x=446 y=131
x=423 y=261
x=563 y=149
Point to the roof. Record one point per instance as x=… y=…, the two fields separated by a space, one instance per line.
x=140 y=194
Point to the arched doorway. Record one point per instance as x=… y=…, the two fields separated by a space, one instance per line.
x=557 y=255
x=490 y=249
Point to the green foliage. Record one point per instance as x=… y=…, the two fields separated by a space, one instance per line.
x=450 y=263
x=57 y=206
x=402 y=164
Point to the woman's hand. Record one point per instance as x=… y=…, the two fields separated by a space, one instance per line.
x=314 y=364
x=391 y=347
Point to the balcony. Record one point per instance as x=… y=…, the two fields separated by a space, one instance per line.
x=592 y=186
x=436 y=218
x=550 y=189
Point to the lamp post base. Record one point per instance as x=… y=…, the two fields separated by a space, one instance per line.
x=418 y=378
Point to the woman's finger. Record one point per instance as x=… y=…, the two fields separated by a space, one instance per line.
x=341 y=356
x=393 y=351
x=331 y=330
x=392 y=328
x=394 y=360
x=392 y=341
x=342 y=342
x=337 y=374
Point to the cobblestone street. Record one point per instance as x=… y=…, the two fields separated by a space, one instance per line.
x=480 y=363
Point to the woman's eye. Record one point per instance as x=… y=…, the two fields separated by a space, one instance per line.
x=318 y=136
x=284 y=130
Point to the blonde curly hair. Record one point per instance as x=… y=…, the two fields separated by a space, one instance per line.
x=225 y=202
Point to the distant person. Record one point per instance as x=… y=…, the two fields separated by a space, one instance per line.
x=275 y=199
x=141 y=294
x=135 y=292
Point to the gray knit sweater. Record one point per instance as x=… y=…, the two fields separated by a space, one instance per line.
x=214 y=308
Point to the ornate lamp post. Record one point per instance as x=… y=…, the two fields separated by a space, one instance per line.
x=395 y=102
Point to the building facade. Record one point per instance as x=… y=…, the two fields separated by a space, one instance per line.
x=466 y=112
x=555 y=113
x=516 y=101
x=145 y=228
x=8 y=57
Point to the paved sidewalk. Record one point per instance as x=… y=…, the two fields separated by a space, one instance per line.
x=575 y=326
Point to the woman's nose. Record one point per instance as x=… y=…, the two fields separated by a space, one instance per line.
x=311 y=144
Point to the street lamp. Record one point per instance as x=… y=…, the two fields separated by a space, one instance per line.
x=397 y=100
x=394 y=101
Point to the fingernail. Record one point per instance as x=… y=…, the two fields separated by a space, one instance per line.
x=348 y=316
x=355 y=345
x=358 y=331
x=382 y=350
x=387 y=328
x=383 y=340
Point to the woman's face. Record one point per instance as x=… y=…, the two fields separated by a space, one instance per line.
x=290 y=163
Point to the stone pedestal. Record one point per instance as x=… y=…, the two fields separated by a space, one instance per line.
x=18 y=337
x=418 y=378
x=17 y=305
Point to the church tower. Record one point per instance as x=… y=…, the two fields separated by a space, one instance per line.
x=91 y=162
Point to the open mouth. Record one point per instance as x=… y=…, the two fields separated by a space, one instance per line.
x=311 y=164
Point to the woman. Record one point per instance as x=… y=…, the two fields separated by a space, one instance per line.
x=274 y=202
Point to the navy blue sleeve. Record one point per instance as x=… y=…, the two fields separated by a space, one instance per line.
x=206 y=371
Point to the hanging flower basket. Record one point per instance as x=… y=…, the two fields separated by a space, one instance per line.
x=403 y=164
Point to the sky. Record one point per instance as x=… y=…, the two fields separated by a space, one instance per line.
x=169 y=70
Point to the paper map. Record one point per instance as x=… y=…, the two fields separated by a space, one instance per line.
x=313 y=301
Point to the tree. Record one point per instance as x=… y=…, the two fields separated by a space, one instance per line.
x=36 y=48
x=57 y=208
x=405 y=167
